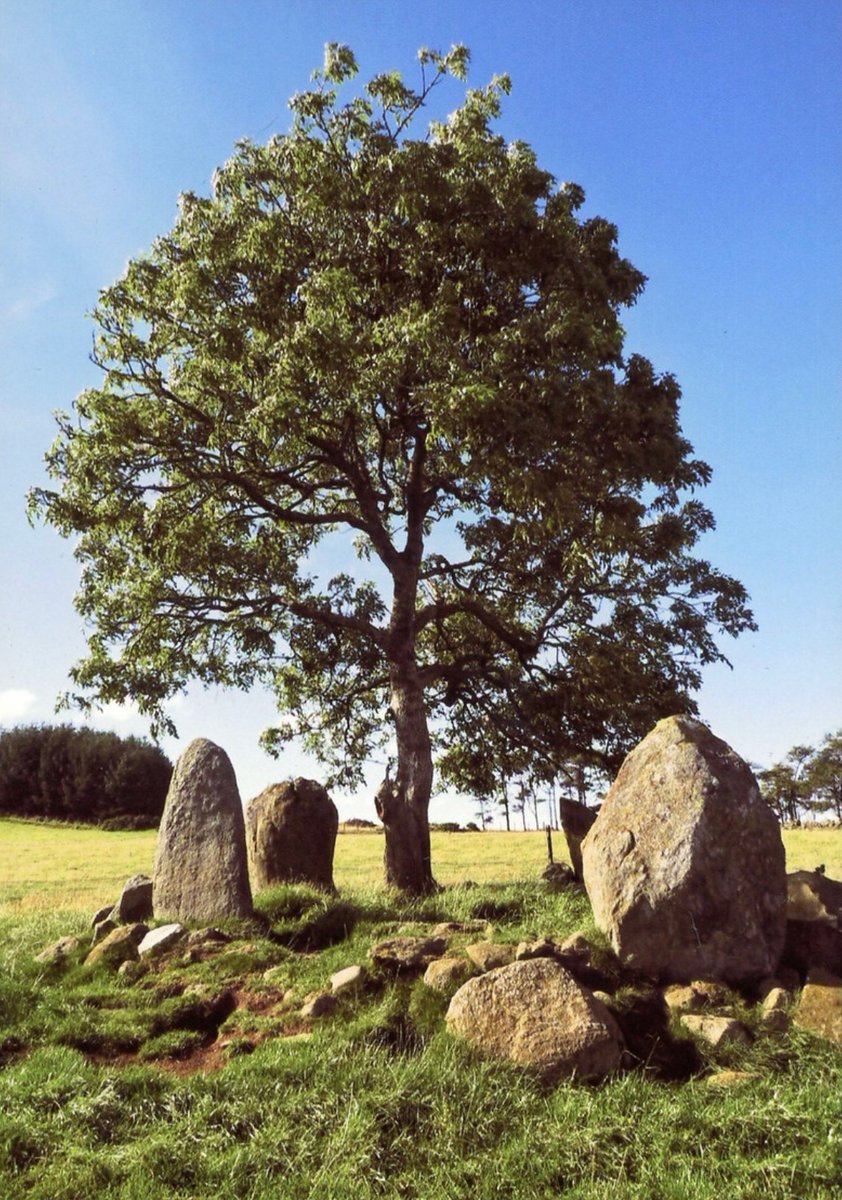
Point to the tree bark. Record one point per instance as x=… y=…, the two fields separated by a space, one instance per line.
x=403 y=803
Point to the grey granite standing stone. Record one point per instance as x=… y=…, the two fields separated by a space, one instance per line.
x=684 y=865
x=201 y=866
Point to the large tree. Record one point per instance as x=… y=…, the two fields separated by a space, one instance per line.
x=411 y=342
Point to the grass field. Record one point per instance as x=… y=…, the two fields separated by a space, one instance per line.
x=58 y=866
x=131 y=1091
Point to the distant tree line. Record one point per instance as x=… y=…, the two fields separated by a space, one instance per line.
x=69 y=774
x=807 y=782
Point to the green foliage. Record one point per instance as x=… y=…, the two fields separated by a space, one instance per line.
x=808 y=780
x=82 y=775
x=411 y=338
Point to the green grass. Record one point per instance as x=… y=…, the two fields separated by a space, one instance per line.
x=101 y=1094
x=52 y=866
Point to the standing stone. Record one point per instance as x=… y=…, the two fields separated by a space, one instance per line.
x=201 y=868
x=684 y=865
x=576 y=822
x=291 y=830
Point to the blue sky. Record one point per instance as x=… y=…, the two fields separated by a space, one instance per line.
x=708 y=131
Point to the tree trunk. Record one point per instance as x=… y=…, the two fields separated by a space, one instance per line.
x=403 y=803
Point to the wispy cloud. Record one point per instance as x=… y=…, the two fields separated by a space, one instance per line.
x=15 y=703
x=29 y=303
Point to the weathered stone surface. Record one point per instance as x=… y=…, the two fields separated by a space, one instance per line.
x=321 y=1004
x=159 y=940
x=536 y=1015
x=684 y=865
x=701 y=993
x=576 y=945
x=101 y=914
x=407 y=953
x=135 y=903
x=291 y=833
x=60 y=951
x=576 y=821
x=103 y=928
x=349 y=979
x=118 y=946
x=812 y=896
x=717 y=1031
x=130 y=970
x=820 y=1007
x=777 y=999
x=490 y=955
x=208 y=937
x=558 y=876
x=201 y=867
x=542 y=948
x=814 y=922
x=446 y=973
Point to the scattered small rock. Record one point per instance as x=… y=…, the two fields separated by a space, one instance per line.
x=542 y=948
x=576 y=946
x=135 y=903
x=349 y=979
x=716 y=1031
x=558 y=876
x=446 y=973
x=701 y=993
x=120 y=944
x=131 y=970
x=777 y=999
x=319 y=1004
x=449 y=928
x=157 y=941
x=103 y=928
x=490 y=955
x=59 y=952
x=204 y=937
x=407 y=953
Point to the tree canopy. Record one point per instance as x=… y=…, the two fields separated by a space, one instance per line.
x=86 y=775
x=408 y=339
x=807 y=780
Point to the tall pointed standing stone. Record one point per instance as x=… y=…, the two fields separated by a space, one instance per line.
x=201 y=866
x=685 y=866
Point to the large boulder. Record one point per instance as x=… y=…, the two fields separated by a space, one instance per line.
x=536 y=1015
x=291 y=829
x=201 y=866
x=684 y=865
x=814 y=922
